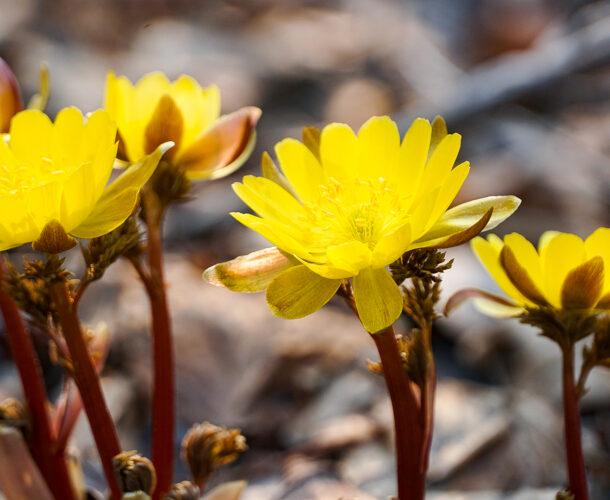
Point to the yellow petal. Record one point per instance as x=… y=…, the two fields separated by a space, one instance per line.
x=413 y=155
x=378 y=299
x=16 y=224
x=311 y=139
x=108 y=214
x=439 y=132
x=119 y=198
x=379 y=146
x=31 y=137
x=119 y=101
x=301 y=168
x=420 y=213
x=598 y=243
x=545 y=239
x=561 y=254
x=145 y=95
x=137 y=175
x=583 y=285
x=327 y=271
x=43 y=203
x=200 y=107
x=467 y=214
x=352 y=256
x=441 y=162
x=339 y=152
x=448 y=191
x=298 y=292
x=269 y=200
x=67 y=137
x=271 y=172
x=519 y=276
x=527 y=257
x=277 y=234
x=488 y=253
x=222 y=148
x=99 y=137
x=84 y=187
x=457 y=238
x=391 y=246
x=166 y=124
x=249 y=273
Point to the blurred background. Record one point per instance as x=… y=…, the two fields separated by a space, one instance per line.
x=526 y=83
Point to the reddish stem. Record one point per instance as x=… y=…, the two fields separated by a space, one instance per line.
x=52 y=465
x=576 y=465
x=88 y=385
x=163 y=411
x=407 y=425
x=427 y=398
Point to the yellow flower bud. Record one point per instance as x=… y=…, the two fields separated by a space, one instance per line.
x=155 y=110
x=10 y=97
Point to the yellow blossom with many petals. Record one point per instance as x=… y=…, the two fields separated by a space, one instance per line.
x=155 y=110
x=348 y=206
x=565 y=272
x=54 y=176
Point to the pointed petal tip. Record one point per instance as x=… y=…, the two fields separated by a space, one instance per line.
x=467 y=294
x=211 y=277
x=163 y=148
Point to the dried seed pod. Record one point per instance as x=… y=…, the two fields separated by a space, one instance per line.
x=206 y=447
x=134 y=472
x=14 y=414
x=184 y=490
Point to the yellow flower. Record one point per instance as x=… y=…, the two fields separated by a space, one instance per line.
x=156 y=110
x=10 y=98
x=53 y=180
x=564 y=273
x=347 y=206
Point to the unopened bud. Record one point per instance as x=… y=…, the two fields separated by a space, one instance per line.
x=183 y=491
x=14 y=414
x=207 y=446
x=134 y=472
x=10 y=97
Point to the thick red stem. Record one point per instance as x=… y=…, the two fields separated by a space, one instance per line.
x=163 y=411
x=88 y=384
x=407 y=423
x=576 y=465
x=52 y=465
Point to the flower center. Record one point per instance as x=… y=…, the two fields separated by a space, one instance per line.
x=364 y=210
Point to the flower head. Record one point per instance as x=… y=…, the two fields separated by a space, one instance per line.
x=565 y=272
x=347 y=206
x=53 y=180
x=10 y=97
x=156 y=110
